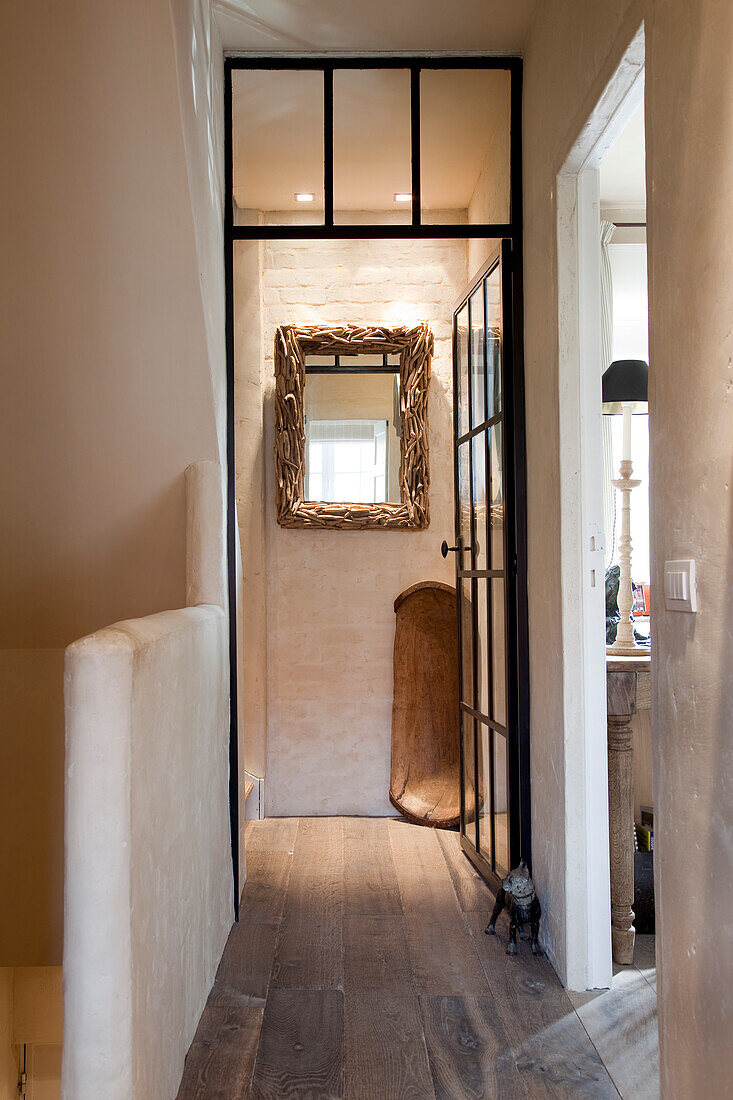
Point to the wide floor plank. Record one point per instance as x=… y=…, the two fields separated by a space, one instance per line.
x=618 y=1020
x=376 y=955
x=370 y=882
x=309 y=953
x=220 y=1060
x=468 y=1050
x=263 y=896
x=246 y=965
x=474 y=895
x=385 y=1053
x=551 y=1048
x=301 y=1049
x=442 y=952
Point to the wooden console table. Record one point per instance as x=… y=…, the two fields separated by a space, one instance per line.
x=628 y=689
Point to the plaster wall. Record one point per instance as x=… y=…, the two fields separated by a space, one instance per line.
x=573 y=51
x=330 y=620
x=148 y=873
x=250 y=495
x=107 y=395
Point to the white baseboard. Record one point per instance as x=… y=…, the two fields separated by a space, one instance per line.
x=254 y=807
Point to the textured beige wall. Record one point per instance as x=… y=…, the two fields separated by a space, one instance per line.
x=329 y=601
x=108 y=391
x=250 y=492
x=690 y=152
x=689 y=124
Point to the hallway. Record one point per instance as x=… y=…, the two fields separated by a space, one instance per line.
x=360 y=969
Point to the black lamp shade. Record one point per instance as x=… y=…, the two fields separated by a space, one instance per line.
x=626 y=380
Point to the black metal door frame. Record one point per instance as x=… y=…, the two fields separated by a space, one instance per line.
x=515 y=570
x=417 y=230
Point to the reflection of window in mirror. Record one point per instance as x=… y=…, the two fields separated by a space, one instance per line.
x=352 y=429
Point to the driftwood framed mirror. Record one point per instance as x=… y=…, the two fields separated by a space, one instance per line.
x=351 y=421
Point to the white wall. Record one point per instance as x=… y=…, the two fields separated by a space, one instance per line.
x=330 y=620
x=109 y=392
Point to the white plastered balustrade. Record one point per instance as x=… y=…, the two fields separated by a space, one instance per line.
x=148 y=901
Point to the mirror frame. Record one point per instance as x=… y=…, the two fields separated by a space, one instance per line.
x=415 y=348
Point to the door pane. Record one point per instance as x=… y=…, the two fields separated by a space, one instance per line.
x=496 y=473
x=469 y=776
x=462 y=370
x=483 y=644
x=501 y=804
x=484 y=800
x=498 y=649
x=493 y=340
x=464 y=502
x=371 y=146
x=478 y=367
x=478 y=466
x=465 y=589
x=277 y=146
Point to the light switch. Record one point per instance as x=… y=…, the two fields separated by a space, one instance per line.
x=680 y=593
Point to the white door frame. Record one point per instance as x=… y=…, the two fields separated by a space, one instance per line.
x=587 y=887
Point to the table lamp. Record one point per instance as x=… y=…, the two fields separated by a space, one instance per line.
x=625 y=390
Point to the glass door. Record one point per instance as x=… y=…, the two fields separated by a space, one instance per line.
x=489 y=519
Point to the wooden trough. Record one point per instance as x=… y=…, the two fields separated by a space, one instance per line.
x=425 y=770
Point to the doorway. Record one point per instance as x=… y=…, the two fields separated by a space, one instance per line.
x=489 y=504
x=581 y=619
x=323 y=247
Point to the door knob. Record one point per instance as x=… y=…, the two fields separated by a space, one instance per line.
x=445 y=548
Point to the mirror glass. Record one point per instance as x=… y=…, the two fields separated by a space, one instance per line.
x=352 y=429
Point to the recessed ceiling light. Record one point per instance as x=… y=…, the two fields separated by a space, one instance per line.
x=402 y=196
x=304 y=196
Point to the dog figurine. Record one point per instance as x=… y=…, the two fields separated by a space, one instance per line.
x=517 y=894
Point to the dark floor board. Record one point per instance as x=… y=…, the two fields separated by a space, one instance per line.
x=385 y=1054
x=309 y=953
x=619 y=1019
x=551 y=1048
x=469 y=1052
x=263 y=896
x=474 y=895
x=221 y=1057
x=246 y=965
x=442 y=952
x=370 y=883
x=301 y=1049
x=376 y=956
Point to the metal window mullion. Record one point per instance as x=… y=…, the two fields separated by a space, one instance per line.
x=459 y=586
x=415 y=144
x=328 y=146
x=489 y=621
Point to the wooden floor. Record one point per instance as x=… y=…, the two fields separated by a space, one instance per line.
x=360 y=969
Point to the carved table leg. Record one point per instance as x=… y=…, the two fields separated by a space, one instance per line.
x=621 y=822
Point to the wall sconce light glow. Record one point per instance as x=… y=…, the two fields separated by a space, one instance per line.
x=402 y=196
x=304 y=196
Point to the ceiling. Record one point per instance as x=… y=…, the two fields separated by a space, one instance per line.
x=278 y=139
x=623 y=180
x=380 y=26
